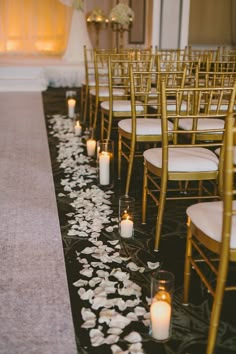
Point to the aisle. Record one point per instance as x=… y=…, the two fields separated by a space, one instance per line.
x=109 y=278
x=35 y=311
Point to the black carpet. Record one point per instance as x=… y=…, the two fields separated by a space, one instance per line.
x=189 y=324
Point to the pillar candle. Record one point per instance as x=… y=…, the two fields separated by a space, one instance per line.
x=71 y=107
x=160 y=313
x=104 y=168
x=126 y=228
x=78 y=128
x=91 y=146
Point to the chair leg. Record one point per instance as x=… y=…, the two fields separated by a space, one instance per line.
x=102 y=125
x=217 y=304
x=91 y=103
x=160 y=213
x=109 y=125
x=85 y=107
x=82 y=95
x=119 y=155
x=94 y=122
x=187 y=267
x=130 y=168
x=144 y=197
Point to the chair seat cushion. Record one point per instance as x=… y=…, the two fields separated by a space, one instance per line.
x=171 y=106
x=208 y=217
x=104 y=92
x=90 y=83
x=223 y=107
x=217 y=151
x=203 y=123
x=144 y=126
x=184 y=159
x=120 y=106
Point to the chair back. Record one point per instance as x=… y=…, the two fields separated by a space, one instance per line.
x=119 y=86
x=227 y=186
x=88 y=64
x=196 y=105
x=214 y=78
x=221 y=65
x=145 y=86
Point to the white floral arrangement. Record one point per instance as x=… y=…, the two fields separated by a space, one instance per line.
x=121 y=14
x=76 y=4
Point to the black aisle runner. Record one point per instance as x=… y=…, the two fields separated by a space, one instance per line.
x=109 y=279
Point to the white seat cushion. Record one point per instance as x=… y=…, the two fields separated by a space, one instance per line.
x=217 y=151
x=120 y=106
x=203 y=123
x=104 y=92
x=184 y=159
x=153 y=93
x=208 y=218
x=144 y=126
x=214 y=105
x=171 y=107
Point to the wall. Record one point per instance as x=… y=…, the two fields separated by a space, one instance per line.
x=212 y=22
x=170 y=23
x=109 y=39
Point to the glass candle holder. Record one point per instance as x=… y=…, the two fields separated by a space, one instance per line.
x=70 y=94
x=126 y=216
x=105 y=163
x=71 y=107
x=162 y=287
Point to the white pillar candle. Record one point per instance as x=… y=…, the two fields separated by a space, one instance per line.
x=126 y=228
x=160 y=313
x=91 y=146
x=78 y=128
x=71 y=107
x=104 y=168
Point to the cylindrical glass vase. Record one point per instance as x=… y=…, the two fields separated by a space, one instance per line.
x=126 y=216
x=162 y=286
x=71 y=107
x=105 y=163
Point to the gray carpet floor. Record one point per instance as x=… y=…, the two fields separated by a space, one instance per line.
x=35 y=313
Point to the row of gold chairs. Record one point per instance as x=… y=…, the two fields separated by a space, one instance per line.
x=167 y=59
x=185 y=116
x=211 y=237
x=188 y=155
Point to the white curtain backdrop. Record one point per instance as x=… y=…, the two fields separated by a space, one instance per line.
x=45 y=27
x=78 y=37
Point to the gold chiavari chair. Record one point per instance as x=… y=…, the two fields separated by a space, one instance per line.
x=183 y=158
x=219 y=108
x=211 y=237
x=173 y=79
x=144 y=127
x=100 y=92
x=89 y=81
x=119 y=107
x=220 y=65
x=204 y=54
x=214 y=78
x=167 y=55
x=227 y=54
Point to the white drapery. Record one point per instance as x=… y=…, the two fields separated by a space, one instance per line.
x=78 y=37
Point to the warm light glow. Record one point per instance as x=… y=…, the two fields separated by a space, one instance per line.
x=33 y=26
x=163 y=296
x=44 y=46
